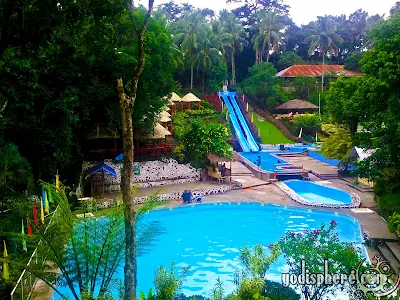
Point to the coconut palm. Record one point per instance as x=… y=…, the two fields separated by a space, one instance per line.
x=238 y=38
x=208 y=54
x=269 y=35
x=220 y=38
x=190 y=29
x=325 y=40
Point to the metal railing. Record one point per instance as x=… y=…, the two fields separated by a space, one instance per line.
x=26 y=282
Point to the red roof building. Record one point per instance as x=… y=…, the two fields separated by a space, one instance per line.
x=316 y=71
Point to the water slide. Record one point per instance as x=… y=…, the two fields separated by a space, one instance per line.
x=246 y=139
x=235 y=123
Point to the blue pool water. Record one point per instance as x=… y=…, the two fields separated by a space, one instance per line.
x=208 y=238
x=268 y=161
x=317 y=193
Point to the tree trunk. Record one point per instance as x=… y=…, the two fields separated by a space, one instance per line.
x=126 y=189
x=323 y=70
x=202 y=83
x=268 y=46
x=191 y=77
x=127 y=105
x=233 y=68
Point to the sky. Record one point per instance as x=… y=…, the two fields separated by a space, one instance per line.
x=304 y=11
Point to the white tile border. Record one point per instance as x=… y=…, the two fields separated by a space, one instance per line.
x=356 y=201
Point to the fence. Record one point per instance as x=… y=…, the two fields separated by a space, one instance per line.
x=26 y=282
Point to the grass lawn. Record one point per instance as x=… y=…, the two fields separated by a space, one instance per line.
x=269 y=133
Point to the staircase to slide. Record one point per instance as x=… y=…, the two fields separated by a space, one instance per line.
x=242 y=130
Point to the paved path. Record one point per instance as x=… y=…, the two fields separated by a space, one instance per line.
x=311 y=164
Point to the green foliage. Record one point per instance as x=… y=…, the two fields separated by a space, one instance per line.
x=394 y=223
x=263 y=84
x=325 y=38
x=287 y=59
x=200 y=133
x=304 y=87
x=314 y=247
x=249 y=289
x=388 y=204
x=307 y=121
x=15 y=174
x=70 y=60
x=338 y=146
x=353 y=61
x=217 y=293
x=207 y=137
x=217 y=74
x=95 y=248
x=148 y=297
x=257 y=261
x=345 y=104
x=276 y=291
x=167 y=282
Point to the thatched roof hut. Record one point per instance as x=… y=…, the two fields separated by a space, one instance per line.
x=296 y=105
x=175 y=97
x=190 y=98
x=164 y=117
x=158 y=132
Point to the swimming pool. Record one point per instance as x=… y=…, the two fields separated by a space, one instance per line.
x=208 y=237
x=269 y=162
x=310 y=193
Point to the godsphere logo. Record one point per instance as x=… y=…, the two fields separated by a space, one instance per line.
x=377 y=279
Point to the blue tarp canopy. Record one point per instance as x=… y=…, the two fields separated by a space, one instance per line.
x=101 y=167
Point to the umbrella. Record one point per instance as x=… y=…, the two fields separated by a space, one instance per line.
x=120 y=157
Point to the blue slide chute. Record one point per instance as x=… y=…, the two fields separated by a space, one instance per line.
x=243 y=133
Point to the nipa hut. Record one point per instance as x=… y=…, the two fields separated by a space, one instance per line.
x=190 y=99
x=158 y=135
x=296 y=106
x=174 y=101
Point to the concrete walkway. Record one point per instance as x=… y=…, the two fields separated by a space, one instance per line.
x=311 y=164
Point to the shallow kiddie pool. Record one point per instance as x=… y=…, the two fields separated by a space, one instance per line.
x=208 y=237
x=319 y=194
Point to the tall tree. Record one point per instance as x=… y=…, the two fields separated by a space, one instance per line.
x=188 y=36
x=269 y=34
x=207 y=55
x=238 y=39
x=325 y=40
x=127 y=104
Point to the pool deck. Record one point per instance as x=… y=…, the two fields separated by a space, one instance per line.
x=256 y=190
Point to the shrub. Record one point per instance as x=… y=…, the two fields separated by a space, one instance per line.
x=276 y=291
x=394 y=223
x=167 y=282
x=388 y=204
x=307 y=121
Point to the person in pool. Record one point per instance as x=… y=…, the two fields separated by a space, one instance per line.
x=258 y=162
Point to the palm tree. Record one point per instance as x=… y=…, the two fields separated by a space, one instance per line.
x=208 y=54
x=326 y=40
x=220 y=38
x=15 y=171
x=238 y=38
x=190 y=29
x=269 y=34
